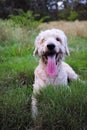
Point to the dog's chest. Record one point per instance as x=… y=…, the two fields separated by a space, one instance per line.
x=60 y=79
x=52 y=80
x=44 y=79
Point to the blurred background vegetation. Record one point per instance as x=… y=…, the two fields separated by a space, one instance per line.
x=53 y=9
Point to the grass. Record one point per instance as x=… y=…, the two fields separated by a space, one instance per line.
x=78 y=50
x=76 y=28
x=16 y=77
x=15 y=108
x=63 y=109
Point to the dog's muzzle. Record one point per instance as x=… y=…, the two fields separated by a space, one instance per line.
x=50 y=59
x=50 y=52
x=51 y=47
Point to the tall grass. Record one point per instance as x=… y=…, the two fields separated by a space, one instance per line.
x=61 y=108
x=76 y=28
x=16 y=51
x=16 y=75
x=15 y=109
x=12 y=33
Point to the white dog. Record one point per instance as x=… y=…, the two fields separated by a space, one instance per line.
x=51 y=47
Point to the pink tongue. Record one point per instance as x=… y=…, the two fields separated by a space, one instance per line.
x=51 y=67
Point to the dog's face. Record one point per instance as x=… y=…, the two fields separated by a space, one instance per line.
x=51 y=47
x=51 y=42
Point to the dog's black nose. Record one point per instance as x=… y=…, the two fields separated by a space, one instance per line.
x=51 y=46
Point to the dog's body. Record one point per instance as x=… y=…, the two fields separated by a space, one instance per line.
x=51 y=47
x=64 y=74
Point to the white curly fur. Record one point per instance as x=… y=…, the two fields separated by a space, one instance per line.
x=64 y=71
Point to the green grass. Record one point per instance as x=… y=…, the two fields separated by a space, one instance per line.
x=15 y=108
x=63 y=109
x=16 y=78
x=78 y=55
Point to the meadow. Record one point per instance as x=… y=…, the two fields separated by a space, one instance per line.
x=63 y=109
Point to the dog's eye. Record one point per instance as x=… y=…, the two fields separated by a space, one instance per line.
x=42 y=40
x=58 y=39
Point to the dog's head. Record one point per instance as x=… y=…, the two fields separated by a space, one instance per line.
x=51 y=45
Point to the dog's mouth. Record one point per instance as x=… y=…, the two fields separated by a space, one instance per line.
x=50 y=59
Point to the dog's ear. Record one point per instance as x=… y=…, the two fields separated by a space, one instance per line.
x=66 y=46
x=63 y=40
x=35 y=53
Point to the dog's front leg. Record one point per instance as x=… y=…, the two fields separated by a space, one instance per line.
x=70 y=72
x=39 y=84
x=34 y=107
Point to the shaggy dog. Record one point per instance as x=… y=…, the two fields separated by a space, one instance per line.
x=51 y=47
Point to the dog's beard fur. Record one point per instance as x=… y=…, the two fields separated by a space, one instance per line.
x=51 y=59
x=58 y=56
